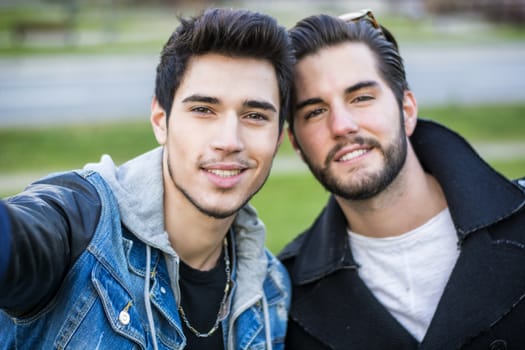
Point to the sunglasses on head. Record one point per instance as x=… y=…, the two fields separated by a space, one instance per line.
x=366 y=14
x=363 y=14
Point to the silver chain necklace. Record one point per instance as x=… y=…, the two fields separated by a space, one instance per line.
x=223 y=301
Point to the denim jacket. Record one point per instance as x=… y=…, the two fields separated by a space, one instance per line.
x=105 y=301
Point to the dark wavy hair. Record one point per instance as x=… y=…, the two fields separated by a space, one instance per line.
x=235 y=33
x=313 y=33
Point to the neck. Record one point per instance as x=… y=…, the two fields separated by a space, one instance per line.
x=196 y=237
x=412 y=199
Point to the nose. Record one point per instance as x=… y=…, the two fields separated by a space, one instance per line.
x=227 y=137
x=342 y=122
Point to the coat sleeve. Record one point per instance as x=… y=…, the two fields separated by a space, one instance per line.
x=43 y=230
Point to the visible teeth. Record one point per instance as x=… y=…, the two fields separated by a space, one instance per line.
x=352 y=155
x=224 y=173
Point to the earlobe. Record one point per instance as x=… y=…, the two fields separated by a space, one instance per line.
x=409 y=112
x=158 y=121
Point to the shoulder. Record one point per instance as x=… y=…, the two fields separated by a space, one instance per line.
x=275 y=267
x=520 y=182
x=277 y=281
x=510 y=227
x=66 y=190
x=292 y=249
x=61 y=184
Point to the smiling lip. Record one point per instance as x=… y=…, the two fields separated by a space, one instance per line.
x=225 y=175
x=349 y=154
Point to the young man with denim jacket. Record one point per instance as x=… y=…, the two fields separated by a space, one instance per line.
x=422 y=244
x=163 y=252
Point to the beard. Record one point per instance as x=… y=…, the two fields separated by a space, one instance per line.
x=369 y=184
x=214 y=212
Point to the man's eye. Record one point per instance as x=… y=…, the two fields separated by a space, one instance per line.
x=256 y=116
x=362 y=98
x=200 y=109
x=314 y=113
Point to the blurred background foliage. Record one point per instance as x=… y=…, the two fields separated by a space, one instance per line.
x=103 y=26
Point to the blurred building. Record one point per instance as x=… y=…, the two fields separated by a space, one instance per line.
x=502 y=11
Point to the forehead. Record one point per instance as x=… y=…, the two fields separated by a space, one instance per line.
x=337 y=66
x=229 y=78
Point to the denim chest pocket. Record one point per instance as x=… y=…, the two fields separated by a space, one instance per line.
x=82 y=316
x=115 y=310
x=102 y=317
x=93 y=332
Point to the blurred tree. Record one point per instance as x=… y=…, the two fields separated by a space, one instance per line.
x=46 y=27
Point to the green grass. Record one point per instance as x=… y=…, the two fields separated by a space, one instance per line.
x=513 y=168
x=68 y=147
x=288 y=203
x=482 y=122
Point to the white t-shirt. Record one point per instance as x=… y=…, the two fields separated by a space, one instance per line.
x=408 y=273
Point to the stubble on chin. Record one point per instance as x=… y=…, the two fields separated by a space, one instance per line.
x=213 y=212
x=360 y=184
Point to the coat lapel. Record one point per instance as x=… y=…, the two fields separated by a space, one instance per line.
x=487 y=281
x=341 y=312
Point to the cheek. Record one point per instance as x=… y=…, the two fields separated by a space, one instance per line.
x=182 y=143
x=261 y=142
x=313 y=142
x=264 y=151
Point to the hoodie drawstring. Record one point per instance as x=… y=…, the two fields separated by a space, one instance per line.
x=267 y=323
x=147 y=299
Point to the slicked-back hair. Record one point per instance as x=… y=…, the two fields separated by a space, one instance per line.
x=229 y=32
x=314 y=33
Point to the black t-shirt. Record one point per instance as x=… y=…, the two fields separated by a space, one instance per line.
x=201 y=296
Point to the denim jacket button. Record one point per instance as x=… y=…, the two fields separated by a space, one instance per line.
x=124 y=318
x=498 y=344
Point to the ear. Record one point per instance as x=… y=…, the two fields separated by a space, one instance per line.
x=293 y=142
x=158 y=119
x=409 y=112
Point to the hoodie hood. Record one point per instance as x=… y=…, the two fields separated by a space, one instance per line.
x=251 y=258
x=138 y=187
x=139 y=190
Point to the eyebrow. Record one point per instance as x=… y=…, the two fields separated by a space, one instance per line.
x=248 y=103
x=348 y=90
x=201 y=98
x=260 y=105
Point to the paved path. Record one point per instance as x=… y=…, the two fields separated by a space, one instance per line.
x=43 y=90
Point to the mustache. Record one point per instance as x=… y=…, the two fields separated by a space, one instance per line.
x=243 y=163
x=359 y=140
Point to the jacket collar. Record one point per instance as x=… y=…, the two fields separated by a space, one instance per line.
x=476 y=194
x=323 y=248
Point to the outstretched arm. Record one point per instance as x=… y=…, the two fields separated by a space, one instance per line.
x=43 y=230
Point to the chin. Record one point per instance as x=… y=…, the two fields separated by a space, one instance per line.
x=219 y=213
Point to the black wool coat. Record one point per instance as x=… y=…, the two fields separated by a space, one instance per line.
x=483 y=304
